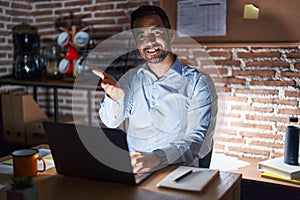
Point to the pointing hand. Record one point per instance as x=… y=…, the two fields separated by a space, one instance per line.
x=110 y=85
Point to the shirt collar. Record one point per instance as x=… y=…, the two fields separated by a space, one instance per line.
x=177 y=67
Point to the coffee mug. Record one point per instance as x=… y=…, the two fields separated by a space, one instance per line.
x=64 y=39
x=65 y=66
x=78 y=65
x=81 y=38
x=25 y=162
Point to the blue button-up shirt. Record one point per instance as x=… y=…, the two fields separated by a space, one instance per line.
x=175 y=113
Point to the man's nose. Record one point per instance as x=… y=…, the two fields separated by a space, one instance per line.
x=151 y=38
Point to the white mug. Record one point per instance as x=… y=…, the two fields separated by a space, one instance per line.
x=78 y=65
x=65 y=66
x=63 y=39
x=81 y=38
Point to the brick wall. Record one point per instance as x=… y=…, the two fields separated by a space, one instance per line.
x=258 y=94
x=262 y=89
x=258 y=84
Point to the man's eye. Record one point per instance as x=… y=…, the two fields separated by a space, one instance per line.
x=157 y=32
x=140 y=37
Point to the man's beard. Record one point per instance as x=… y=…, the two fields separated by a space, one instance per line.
x=157 y=58
x=157 y=54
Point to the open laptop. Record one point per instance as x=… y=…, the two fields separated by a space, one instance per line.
x=68 y=144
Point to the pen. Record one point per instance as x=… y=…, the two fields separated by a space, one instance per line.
x=182 y=176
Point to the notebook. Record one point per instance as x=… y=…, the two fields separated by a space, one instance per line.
x=277 y=167
x=189 y=178
x=88 y=152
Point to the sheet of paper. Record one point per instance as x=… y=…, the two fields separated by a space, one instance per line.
x=226 y=163
x=6 y=167
x=251 y=11
x=201 y=17
x=2 y=187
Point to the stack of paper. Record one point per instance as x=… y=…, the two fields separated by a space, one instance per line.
x=278 y=170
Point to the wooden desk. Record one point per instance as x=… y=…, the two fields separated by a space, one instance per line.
x=52 y=186
x=256 y=187
x=251 y=172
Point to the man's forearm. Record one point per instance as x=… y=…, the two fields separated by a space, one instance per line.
x=111 y=112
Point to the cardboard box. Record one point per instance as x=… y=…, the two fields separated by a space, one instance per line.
x=7 y=118
x=17 y=111
x=35 y=133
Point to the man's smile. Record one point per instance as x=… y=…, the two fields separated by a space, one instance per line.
x=152 y=51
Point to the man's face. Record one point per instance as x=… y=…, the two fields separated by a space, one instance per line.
x=152 y=38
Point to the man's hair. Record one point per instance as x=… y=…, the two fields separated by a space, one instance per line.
x=150 y=10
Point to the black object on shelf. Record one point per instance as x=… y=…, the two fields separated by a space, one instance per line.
x=291 y=148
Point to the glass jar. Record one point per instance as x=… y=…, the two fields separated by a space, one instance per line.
x=26 y=41
x=52 y=56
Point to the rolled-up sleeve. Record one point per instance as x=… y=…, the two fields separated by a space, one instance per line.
x=111 y=112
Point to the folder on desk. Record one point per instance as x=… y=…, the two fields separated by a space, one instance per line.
x=280 y=178
x=198 y=180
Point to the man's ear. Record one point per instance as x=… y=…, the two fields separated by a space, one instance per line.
x=171 y=35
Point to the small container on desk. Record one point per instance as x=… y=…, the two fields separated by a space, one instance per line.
x=291 y=148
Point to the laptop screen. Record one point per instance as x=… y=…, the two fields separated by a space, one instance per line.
x=90 y=152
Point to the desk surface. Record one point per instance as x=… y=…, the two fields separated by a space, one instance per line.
x=53 y=186
x=251 y=172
